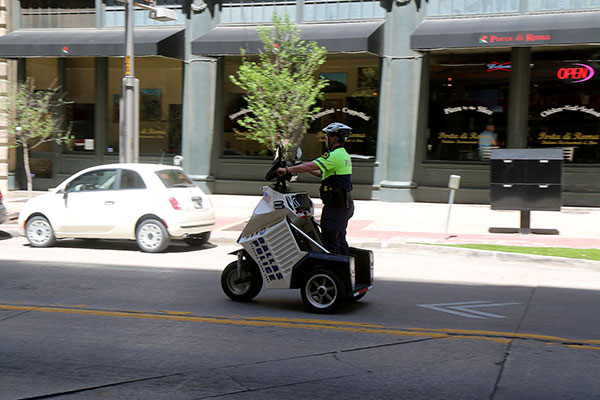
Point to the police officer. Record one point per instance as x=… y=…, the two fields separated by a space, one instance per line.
x=335 y=170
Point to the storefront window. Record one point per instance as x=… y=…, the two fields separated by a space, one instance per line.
x=114 y=13
x=79 y=116
x=58 y=14
x=468 y=96
x=351 y=98
x=161 y=88
x=564 y=106
x=458 y=7
x=43 y=72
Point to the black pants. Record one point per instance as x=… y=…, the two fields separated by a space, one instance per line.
x=334 y=221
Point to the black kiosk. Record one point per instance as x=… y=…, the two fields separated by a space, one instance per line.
x=526 y=180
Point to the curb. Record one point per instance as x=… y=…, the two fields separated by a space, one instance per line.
x=230 y=238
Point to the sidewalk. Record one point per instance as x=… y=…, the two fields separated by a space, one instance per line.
x=379 y=224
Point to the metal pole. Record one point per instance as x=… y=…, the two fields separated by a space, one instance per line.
x=129 y=137
x=450 y=202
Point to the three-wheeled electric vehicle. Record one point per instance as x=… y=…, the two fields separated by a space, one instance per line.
x=282 y=249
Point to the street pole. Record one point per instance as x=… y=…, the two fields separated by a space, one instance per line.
x=129 y=104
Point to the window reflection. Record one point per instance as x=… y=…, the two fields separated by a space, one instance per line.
x=352 y=98
x=468 y=95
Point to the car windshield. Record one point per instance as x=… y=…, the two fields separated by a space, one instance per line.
x=174 y=178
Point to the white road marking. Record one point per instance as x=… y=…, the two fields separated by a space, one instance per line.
x=464 y=309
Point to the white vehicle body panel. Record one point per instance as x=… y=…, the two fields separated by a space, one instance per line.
x=113 y=214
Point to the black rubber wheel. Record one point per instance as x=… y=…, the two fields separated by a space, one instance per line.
x=197 y=240
x=242 y=288
x=323 y=291
x=39 y=232
x=152 y=236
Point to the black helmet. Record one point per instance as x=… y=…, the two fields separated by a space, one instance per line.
x=338 y=129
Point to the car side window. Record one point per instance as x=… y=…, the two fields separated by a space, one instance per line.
x=131 y=180
x=93 y=181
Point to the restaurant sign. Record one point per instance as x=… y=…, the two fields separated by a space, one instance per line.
x=576 y=73
x=517 y=38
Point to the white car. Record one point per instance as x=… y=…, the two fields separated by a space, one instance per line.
x=146 y=202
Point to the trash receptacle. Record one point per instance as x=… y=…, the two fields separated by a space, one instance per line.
x=526 y=180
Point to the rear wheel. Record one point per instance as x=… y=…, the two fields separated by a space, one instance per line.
x=197 y=240
x=323 y=291
x=39 y=232
x=152 y=236
x=244 y=287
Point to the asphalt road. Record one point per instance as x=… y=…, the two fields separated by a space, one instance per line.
x=92 y=320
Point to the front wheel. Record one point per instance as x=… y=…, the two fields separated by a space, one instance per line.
x=152 y=236
x=323 y=291
x=39 y=232
x=244 y=287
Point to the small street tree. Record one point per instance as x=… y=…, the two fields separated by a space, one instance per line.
x=281 y=86
x=34 y=118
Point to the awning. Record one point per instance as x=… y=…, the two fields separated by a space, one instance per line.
x=521 y=30
x=339 y=37
x=167 y=42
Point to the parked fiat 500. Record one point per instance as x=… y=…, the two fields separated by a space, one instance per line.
x=149 y=203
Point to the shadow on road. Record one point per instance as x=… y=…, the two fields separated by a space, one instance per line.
x=4 y=235
x=125 y=245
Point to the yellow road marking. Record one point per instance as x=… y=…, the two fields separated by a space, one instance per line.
x=316 y=324
x=174 y=312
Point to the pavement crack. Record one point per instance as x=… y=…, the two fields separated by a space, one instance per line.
x=375 y=346
x=325 y=353
x=507 y=353
x=15 y=315
x=214 y=396
x=86 y=389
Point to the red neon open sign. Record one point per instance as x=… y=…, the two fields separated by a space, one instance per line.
x=582 y=73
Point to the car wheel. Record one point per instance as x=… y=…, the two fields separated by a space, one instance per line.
x=152 y=236
x=323 y=291
x=197 y=240
x=241 y=288
x=39 y=232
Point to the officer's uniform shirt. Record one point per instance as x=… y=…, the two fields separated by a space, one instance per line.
x=336 y=169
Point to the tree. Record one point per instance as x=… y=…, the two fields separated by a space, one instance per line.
x=281 y=86
x=34 y=118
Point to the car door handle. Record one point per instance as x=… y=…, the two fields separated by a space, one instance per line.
x=109 y=203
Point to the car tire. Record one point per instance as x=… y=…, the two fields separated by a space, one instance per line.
x=244 y=289
x=152 y=236
x=323 y=291
x=197 y=240
x=39 y=232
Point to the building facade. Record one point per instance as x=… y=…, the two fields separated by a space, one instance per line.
x=418 y=80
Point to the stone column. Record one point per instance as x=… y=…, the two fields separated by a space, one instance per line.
x=4 y=86
x=398 y=112
x=201 y=83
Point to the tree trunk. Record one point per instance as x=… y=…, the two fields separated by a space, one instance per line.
x=27 y=168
